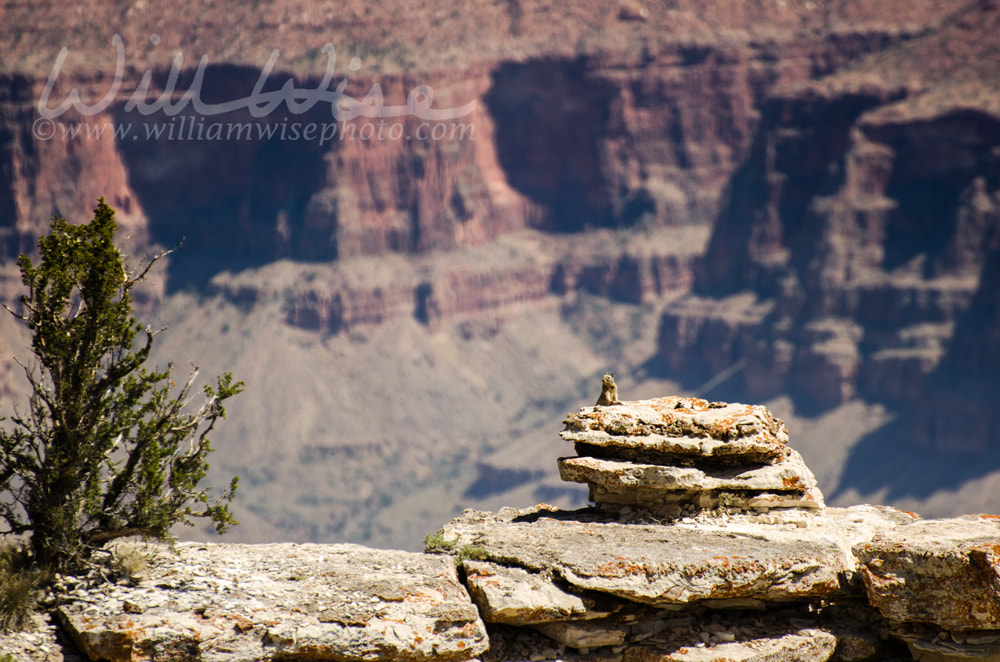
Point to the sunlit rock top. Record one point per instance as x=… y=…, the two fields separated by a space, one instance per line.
x=668 y=451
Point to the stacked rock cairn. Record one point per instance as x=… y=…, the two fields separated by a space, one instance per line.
x=709 y=540
x=672 y=455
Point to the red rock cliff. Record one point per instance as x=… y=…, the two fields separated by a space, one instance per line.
x=625 y=118
x=862 y=229
x=607 y=137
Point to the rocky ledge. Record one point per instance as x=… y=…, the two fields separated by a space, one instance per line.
x=796 y=584
x=708 y=541
x=282 y=601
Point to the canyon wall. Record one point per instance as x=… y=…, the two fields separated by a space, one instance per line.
x=640 y=123
x=796 y=198
x=856 y=249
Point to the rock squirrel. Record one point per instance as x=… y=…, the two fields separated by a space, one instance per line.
x=609 y=392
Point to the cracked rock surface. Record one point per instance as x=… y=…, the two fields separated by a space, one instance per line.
x=796 y=555
x=228 y=603
x=940 y=571
x=673 y=450
x=674 y=426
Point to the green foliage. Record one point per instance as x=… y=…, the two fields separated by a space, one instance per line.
x=472 y=552
x=436 y=542
x=105 y=449
x=727 y=499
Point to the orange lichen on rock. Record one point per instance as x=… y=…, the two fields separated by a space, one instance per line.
x=668 y=450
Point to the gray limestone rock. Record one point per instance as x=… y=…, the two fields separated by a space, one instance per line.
x=944 y=571
x=517 y=597
x=653 y=453
x=806 y=645
x=584 y=634
x=38 y=644
x=942 y=646
x=789 y=475
x=666 y=428
x=798 y=556
x=695 y=633
x=282 y=601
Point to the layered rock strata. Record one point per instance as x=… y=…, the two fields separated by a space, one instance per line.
x=938 y=582
x=669 y=451
x=715 y=586
x=282 y=601
x=624 y=101
x=709 y=540
x=740 y=560
x=703 y=514
x=859 y=238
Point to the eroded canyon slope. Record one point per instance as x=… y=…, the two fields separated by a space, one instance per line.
x=856 y=255
x=800 y=196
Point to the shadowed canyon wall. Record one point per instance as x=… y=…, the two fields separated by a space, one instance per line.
x=801 y=199
x=865 y=224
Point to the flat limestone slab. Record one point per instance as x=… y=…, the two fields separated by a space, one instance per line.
x=789 y=475
x=517 y=597
x=584 y=634
x=284 y=601
x=647 y=499
x=963 y=646
x=806 y=645
x=789 y=556
x=660 y=429
x=942 y=571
